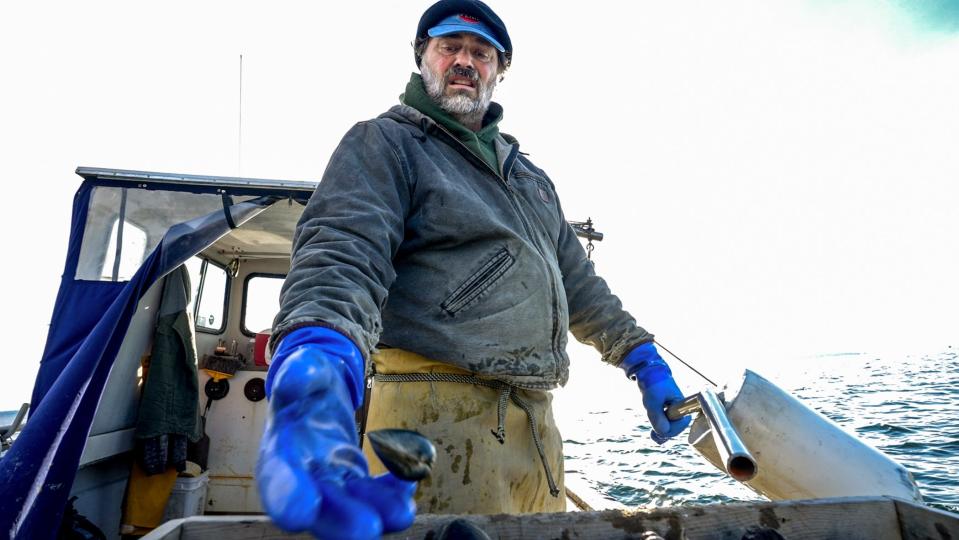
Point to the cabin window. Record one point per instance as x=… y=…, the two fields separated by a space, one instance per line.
x=194 y=266
x=122 y=261
x=211 y=295
x=124 y=225
x=261 y=302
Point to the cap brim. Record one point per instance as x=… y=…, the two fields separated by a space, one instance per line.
x=447 y=29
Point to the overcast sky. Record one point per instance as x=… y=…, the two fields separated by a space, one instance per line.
x=774 y=179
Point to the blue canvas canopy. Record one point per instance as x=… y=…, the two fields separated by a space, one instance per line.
x=92 y=313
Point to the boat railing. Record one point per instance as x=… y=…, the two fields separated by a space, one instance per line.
x=7 y=431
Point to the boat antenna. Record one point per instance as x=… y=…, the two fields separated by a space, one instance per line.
x=239 y=134
x=660 y=345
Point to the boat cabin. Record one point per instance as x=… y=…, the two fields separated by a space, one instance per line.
x=132 y=233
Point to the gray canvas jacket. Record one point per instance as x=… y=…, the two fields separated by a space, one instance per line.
x=411 y=241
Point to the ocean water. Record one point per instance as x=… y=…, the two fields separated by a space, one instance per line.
x=905 y=405
x=6 y=417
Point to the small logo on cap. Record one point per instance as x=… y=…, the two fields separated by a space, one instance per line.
x=467 y=18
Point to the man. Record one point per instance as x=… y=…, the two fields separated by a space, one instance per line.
x=437 y=252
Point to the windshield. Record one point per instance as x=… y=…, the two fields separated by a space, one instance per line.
x=124 y=225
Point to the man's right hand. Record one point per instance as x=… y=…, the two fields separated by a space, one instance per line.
x=311 y=473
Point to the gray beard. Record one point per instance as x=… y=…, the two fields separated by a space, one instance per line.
x=464 y=108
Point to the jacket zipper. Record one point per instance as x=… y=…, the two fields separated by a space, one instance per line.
x=478 y=282
x=511 y=195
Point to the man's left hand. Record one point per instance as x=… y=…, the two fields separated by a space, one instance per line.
x=644 y=365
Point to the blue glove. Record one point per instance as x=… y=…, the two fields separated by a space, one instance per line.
x=311 y=472
x=644 y=365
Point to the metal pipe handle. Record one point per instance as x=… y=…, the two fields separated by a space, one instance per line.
x=740 y=464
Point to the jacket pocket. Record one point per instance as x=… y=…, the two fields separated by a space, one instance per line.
x=540 y=201
x=544 y=192
x=478 y=283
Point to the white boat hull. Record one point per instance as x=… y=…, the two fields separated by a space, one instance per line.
x=800 y=453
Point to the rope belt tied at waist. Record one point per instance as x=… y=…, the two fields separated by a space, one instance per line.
x=506 y=393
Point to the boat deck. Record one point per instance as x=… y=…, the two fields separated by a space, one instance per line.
x=866 y=518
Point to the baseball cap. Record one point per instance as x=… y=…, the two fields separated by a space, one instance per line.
x=455 y=24
x=446 y=12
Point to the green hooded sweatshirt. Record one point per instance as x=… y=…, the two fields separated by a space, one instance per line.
x=479 y=142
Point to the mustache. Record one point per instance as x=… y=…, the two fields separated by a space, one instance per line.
x=460 y=71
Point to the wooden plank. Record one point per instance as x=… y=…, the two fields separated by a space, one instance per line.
x=847 y=519
x=872 y=518
x=233 y=528
x=575 y=503
x=593 y=498
x=921 y=522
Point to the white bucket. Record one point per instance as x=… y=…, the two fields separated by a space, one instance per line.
x=800 y=453
x=188 y=497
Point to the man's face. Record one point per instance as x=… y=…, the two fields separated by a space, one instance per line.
x=459 y=71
